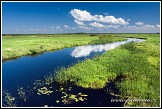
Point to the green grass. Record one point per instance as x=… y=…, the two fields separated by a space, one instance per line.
x=138 y=65
x=107 y=39
x=15 y=46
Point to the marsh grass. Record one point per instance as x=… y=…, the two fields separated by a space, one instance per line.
x=138 y=63
x=49 y=79
x=103 y=39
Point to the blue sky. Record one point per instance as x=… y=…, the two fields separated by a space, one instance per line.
x=65 y=17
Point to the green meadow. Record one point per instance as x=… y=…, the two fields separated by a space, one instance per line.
x=16 y=46
x=133 y=67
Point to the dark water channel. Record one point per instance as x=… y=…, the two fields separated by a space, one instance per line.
x=22 y=72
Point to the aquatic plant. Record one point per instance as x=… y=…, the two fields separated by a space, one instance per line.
x=70 y=98
x=57 y=101
x=44 y=91
x=9 y=100
x=22 y=93
x=38 y=84
x=49 y=79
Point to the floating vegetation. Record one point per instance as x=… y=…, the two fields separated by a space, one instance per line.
x=69 y=89
x=57 y=101
x=61 y=89
x=22 y=94
x=49 y=79
x=70 y=98
x=67 y=101
x=38 y=84
x=44 y=91
x=83 y=95
x=8 y=100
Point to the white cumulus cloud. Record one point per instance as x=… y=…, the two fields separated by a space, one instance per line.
x=78 y=22
x=83 y=15
x=97 y=25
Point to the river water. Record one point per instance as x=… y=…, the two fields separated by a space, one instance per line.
x=23 y=71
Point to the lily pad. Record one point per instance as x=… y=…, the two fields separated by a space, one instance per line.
x=57 y=101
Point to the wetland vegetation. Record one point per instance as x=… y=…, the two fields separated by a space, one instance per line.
x=134 y=68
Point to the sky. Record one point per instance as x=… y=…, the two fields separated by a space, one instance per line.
x=73 y=17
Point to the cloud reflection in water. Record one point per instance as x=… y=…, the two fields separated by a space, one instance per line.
x=83 y=51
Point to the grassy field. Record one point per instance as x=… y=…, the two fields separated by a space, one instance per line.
x=15 y=46
x=135 y=67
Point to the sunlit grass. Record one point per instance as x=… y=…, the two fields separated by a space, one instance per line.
x=15 y=46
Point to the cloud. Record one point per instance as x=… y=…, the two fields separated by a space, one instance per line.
x=139 y=23
x=113 y=26
x=81 y=15
x=78 y=22
x=86 y=16
x=52 y=27
x=97 y=25
x=101 y=26
x=83 y=51
x=85 y=27
x=148 y=26
x=128 y=19
x=158 y=26
x=66 y=26
x=55 y=28
x=58 y=27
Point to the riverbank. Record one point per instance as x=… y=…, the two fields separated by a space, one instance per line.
x=21 y=45
x=137 y=65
